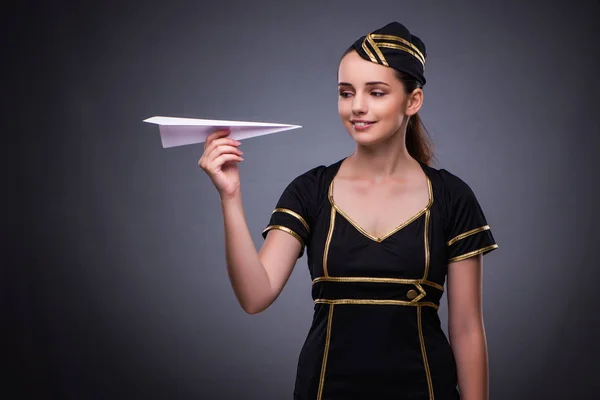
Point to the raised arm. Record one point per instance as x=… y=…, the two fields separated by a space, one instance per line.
x=257 y=278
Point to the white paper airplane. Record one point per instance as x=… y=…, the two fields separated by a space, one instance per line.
x=182 y=131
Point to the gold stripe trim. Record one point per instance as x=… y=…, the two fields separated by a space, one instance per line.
x=360 y=279
x=426 y=242
x=293 y=214
x=325 y=353
x=401 y=40
x=424 y=353
x=381 y=238
x=378 y=36
x=422 y=293
x=401 y=48
x=328 y=241
x=369 y=52
x=379 y=53
x=473 y=253
x=468 y=233
x=285 y=229
x=376 y=302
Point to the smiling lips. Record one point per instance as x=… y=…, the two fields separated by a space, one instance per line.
x=361 y=125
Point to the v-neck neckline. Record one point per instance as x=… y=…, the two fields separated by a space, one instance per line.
x=363 y=231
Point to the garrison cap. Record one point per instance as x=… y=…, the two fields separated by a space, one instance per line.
x=394 y=46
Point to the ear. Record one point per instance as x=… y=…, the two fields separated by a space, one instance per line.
x=414 y=102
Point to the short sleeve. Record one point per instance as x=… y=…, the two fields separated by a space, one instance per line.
x=293 y=212
x=467 y=231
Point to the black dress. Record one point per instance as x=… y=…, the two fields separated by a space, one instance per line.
x=376 y=333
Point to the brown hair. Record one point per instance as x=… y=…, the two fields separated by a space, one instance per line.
x=418 y=141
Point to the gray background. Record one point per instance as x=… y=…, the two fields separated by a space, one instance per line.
x=113 y=277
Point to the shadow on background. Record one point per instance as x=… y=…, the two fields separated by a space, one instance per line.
x=113 y=279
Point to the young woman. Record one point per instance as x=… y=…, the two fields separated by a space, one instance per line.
x=382 y=230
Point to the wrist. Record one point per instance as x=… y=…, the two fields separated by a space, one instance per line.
x=231 y=199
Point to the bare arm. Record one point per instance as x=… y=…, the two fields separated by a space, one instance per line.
x=466 y=328
x=257 y=278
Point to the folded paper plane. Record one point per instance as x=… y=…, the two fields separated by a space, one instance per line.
x=182 y=131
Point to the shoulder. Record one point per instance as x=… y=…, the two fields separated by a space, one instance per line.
x=312 y=175
x=454 y=184
x=451 y=184
x=316 y=177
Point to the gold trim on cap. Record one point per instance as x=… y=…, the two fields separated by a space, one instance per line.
x=377 y=41
x=369 y=38
x=369 y=53
x=401 y=40
x=402 y=48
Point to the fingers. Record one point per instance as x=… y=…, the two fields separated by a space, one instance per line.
x=222 y=159
x=216 y=143
x=222 y=149
x=215 y=135
x=212 y=157
x=218 y=162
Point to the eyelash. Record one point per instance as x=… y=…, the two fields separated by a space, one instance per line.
x=377 y=94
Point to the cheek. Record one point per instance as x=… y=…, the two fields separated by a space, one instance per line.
x=343 y=107
x=391 y=110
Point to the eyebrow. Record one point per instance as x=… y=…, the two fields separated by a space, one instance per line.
x=366 y=84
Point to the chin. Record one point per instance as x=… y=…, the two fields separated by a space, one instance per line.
x=366 y=138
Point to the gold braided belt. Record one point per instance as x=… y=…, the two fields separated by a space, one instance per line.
x=367 y=290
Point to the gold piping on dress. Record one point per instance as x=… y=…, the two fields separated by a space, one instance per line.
x=473 y=253
x=328 y=241
x=426 y=242
x=424 y=353
x=468 y=233
x=381 y=238
x=360 y=279
x=293 y=214
x=325 y=352
x=411 y=303
x=285 y=229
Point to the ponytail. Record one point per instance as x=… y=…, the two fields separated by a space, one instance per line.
x=418 y=142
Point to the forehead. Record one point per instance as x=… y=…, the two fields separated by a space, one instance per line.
x=354 y=69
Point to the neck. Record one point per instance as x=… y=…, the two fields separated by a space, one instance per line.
x=382 y=160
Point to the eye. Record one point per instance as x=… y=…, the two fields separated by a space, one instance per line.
x=377 y=94
x=345 y=94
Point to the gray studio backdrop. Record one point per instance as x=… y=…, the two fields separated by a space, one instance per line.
x=123 y=293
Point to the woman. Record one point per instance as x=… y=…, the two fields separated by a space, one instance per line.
x=382 y=230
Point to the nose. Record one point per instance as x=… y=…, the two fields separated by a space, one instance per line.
x=359 y=104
